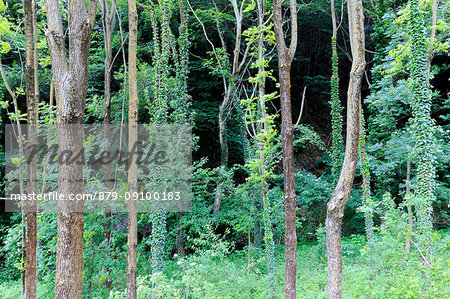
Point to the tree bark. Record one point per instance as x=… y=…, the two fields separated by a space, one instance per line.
x=338 y=201
x=32 y=97
x=230 y=90
x=108 y=22
x=434 y=8
x=132 y=139
x=285 y=57
x=70 y=82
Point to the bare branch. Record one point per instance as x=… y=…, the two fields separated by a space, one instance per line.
x=301 y=109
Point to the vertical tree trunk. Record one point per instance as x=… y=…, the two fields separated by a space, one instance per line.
x=132 y=139
x=337 y=203
x=268 y=233
x=285 y=57
x=70 y=80
x=108 y=22
x=336 y=108
x=422 y=125
x=230 y=91
x=32 y=96
x=434 y=8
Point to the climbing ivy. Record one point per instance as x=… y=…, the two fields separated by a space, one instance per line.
x=422 y=126
x=169 y=101
x=263 y=126
x=336 y=115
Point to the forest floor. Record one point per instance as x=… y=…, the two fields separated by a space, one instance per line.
x=213 y=274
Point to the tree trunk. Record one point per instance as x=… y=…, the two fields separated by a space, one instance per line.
x=336 y=107
x=70 y=80
x=230 y=89
x=285 y=57
x=32 y=96
x=132 y=139
x=423 y=128
x=108 y=22
x=337 y=203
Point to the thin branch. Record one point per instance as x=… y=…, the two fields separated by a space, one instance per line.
x=301 y=109
x=11 y=92
x=205 y=34
x=421 y=255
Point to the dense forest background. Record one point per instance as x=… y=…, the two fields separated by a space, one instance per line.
x=219 y=250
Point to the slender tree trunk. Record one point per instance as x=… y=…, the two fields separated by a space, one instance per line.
x=132 y=139
x=32 y=96
x=434 y=8
x=230 y=91
x=336 y=108
x=223 y=130
x=108 y=22
x=285 y=57
x=337 y=203
x=180 y=236
x=70 y=80
x=268 y=233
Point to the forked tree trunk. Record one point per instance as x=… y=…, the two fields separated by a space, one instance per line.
x=32 y=96
x=70 y=80
x=285 y=57
x=230 y=89
x=338 y=201
x=132 y=139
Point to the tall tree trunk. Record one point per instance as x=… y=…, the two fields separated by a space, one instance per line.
x=285 y=57
x=422 y=125
x=32 y=96
x=108 y=22
x=337 y=203
x=230 y=89
x=336 y=107
x=263 y=128
x=132 y=139
x=70 y=80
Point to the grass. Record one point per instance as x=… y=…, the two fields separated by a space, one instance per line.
x=213 y=275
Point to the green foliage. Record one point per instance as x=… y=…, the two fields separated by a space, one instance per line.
x=336 y=115
x=305 y=135
x=11 y=253
x=368 y=204
x=215 y=263
x=422 y=126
